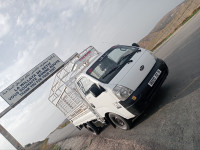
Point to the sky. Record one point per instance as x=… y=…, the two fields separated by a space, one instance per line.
x=32 y=30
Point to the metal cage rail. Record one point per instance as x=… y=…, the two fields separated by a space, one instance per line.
x=63 y=93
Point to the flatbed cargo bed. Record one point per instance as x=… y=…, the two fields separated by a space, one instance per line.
x=64 y=94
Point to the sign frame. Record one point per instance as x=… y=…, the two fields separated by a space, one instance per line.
x=30 y=81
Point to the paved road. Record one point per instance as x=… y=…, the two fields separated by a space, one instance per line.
x=173 y=119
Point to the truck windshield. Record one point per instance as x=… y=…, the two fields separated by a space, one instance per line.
x=111 y=62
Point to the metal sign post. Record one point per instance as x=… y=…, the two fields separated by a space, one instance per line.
x=24 y=86
x=10 y=138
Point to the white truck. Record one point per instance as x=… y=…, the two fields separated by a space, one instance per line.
x=114 y=87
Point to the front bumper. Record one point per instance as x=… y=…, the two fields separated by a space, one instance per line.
x=144 y=92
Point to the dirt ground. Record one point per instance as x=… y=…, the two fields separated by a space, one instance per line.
x=93 y=142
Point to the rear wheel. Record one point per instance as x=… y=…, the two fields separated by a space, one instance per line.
x=119 y=121
x=92 y=128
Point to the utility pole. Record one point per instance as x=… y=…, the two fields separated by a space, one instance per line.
x=10 y=138
x=6 y=134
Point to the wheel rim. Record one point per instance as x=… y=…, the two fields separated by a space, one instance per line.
x=118 y=121
x=89 y=128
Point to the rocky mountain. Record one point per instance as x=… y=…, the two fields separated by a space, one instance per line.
x=170 y=23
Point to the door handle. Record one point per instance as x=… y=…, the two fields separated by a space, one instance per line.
x=92 y=105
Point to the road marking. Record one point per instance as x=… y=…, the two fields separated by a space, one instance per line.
x=195 y=79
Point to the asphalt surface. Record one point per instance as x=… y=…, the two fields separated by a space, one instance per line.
x=172 y=121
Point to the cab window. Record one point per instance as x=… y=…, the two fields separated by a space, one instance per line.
x=84 y=85
x=111 y=62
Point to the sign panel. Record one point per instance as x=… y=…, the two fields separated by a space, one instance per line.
x=25 y=85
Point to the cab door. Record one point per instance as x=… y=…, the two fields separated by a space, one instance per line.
x=102 y=102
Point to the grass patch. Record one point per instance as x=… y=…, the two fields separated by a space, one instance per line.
x=46 y=146
x=165 y=39
x=56 y=147
x=63 y=125
x=91 y=141
x=188 y=18
x=184 y=21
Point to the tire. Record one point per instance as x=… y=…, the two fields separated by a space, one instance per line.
x=92 y=128
x=119 y=121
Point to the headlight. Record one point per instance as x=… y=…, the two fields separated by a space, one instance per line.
x=122 y=92
x=153 y=55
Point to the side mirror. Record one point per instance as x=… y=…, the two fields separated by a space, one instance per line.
x=95 y=90
x=135 y=44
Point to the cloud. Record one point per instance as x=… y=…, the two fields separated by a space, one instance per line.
x=22 y=21
x=19 y=21
x=31 y=21
x=21 y=65
x=90 y=6
x=4 y=4
x=15 y=71
x=66 y=14
x=4 y=25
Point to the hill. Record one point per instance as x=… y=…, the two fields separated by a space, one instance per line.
x=170 y=23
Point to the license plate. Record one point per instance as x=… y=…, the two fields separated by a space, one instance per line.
x=154 y=78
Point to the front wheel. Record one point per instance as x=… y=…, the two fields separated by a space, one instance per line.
x=119 y=121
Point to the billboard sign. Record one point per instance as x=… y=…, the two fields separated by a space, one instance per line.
x=25 y=85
